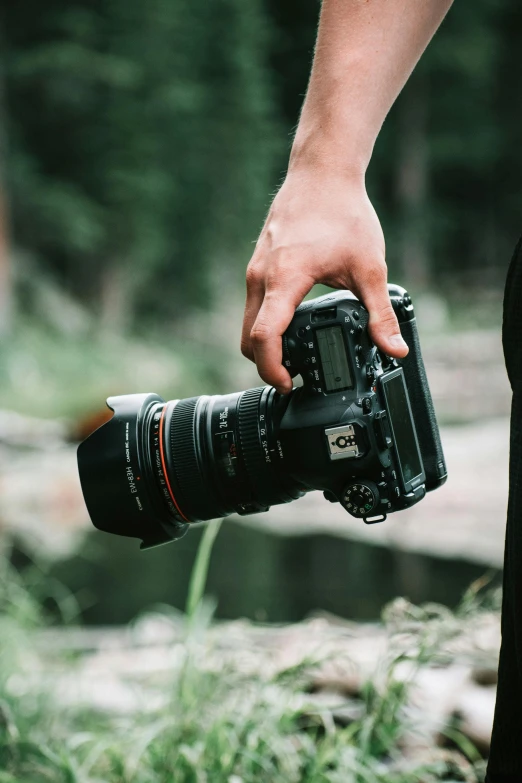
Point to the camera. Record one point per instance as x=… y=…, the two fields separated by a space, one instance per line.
x=361 y=428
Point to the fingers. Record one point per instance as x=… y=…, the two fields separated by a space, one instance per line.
x=254 y=300
x=383 y=327
x=272 y=320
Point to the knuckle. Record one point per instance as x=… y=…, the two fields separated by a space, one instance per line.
x=260 y=334
x=253 y=276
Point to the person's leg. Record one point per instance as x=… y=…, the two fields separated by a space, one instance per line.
x=505 y=761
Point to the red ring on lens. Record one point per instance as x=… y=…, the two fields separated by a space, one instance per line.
x=164 y=468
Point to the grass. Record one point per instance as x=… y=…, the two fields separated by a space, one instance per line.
x=210 y=723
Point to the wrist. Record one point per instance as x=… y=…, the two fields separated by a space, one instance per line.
x=339 y=124
x=331 y=143
x=315 y=152
x=315 y=156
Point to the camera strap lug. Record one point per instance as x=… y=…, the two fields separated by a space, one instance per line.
x=330 y=497
x=374 y=520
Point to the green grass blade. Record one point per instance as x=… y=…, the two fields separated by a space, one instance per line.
x=198 y=577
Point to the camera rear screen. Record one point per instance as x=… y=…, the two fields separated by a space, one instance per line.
x=402 y=427
x=336 y=370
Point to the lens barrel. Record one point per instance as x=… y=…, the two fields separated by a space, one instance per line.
x=157 y=466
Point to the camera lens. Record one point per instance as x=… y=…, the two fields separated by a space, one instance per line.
x=157 y=466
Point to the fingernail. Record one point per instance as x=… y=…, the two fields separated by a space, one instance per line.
x=397 y=342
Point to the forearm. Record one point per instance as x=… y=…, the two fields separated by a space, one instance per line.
x=321 y=227
x=365 y=52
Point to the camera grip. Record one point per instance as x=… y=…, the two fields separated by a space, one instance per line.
x=422 y=404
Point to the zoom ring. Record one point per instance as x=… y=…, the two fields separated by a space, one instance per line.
x=184 y=460
x=252 y=451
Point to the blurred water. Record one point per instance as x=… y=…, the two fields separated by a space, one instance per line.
x=259 y=575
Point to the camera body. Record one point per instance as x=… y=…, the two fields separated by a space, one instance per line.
x=356 y=426
x=361 y=428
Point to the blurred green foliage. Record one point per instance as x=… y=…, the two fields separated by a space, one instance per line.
x=144 y=140
x=447 y=166
x=141 y=143
x=49 y=374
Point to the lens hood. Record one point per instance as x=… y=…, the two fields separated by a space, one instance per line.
x=115 y=477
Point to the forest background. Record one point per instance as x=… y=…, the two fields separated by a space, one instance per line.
x=140 y=146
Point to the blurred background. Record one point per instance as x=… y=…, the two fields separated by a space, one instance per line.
x=140 y=145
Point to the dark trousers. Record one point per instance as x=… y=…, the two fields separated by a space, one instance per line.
x=505 y=761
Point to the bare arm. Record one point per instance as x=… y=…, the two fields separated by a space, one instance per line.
x=321 y=227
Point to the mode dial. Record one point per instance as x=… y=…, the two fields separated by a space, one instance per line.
x=360 y=498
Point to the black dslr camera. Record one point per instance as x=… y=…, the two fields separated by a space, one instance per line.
x=362 y=428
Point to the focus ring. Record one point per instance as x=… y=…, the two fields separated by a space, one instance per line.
x=184 y=461
x=156 y=459
x=253 y=455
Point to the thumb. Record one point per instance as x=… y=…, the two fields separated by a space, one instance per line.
x=383 y=327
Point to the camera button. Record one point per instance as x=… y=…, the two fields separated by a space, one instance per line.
x=356 y=315
x=301 y=332
x=367 y=404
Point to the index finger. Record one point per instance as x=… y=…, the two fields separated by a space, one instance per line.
x=276 y=312
x=254 y=300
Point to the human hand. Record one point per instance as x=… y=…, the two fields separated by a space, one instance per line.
x=321 y=228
